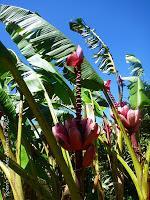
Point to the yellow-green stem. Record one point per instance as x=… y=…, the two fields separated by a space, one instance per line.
x=133 y=177
x=19 y=135
x=15 y=185
x=145 y=173
x=17 y=178
x=100 y=190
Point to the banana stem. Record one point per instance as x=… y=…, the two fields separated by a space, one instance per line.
x=133 y=177
x=19 y=135
x=145 y=183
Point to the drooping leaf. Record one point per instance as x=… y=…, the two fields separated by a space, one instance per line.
x=34 y=35
x=41 y=71
x=94 y=42
x=135 y=65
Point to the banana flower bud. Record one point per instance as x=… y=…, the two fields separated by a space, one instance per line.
x=76 y=58
x=73 y=138
x=130 y=118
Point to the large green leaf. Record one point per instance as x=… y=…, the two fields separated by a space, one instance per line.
x=138 y=96
x=34 y=35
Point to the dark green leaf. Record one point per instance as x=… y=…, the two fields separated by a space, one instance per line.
x=34 y=35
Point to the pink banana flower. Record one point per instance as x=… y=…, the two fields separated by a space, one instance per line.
x=131 y=119
x=61 y=136
x=74 y=138
x=76 y=58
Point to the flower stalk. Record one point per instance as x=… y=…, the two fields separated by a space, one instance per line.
x=78 y=154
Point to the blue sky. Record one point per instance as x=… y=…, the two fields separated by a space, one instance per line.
x=123 y=25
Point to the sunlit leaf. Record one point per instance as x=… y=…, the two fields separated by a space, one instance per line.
x=34 y=35
x=24 y=157
x=138 y=96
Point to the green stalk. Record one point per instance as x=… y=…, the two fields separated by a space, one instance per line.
x=19 y=135
x=10 y=63
x=145 y=173
x=68 y=161
x=133 y=177
x=120 y=141
x=51 y=108
x=89 y=107
x=100 y=190
x=15 y=186
x=18 y=149
x=13 y=178
x=136 y=163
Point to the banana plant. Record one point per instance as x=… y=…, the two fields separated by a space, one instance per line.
x=53 y=103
